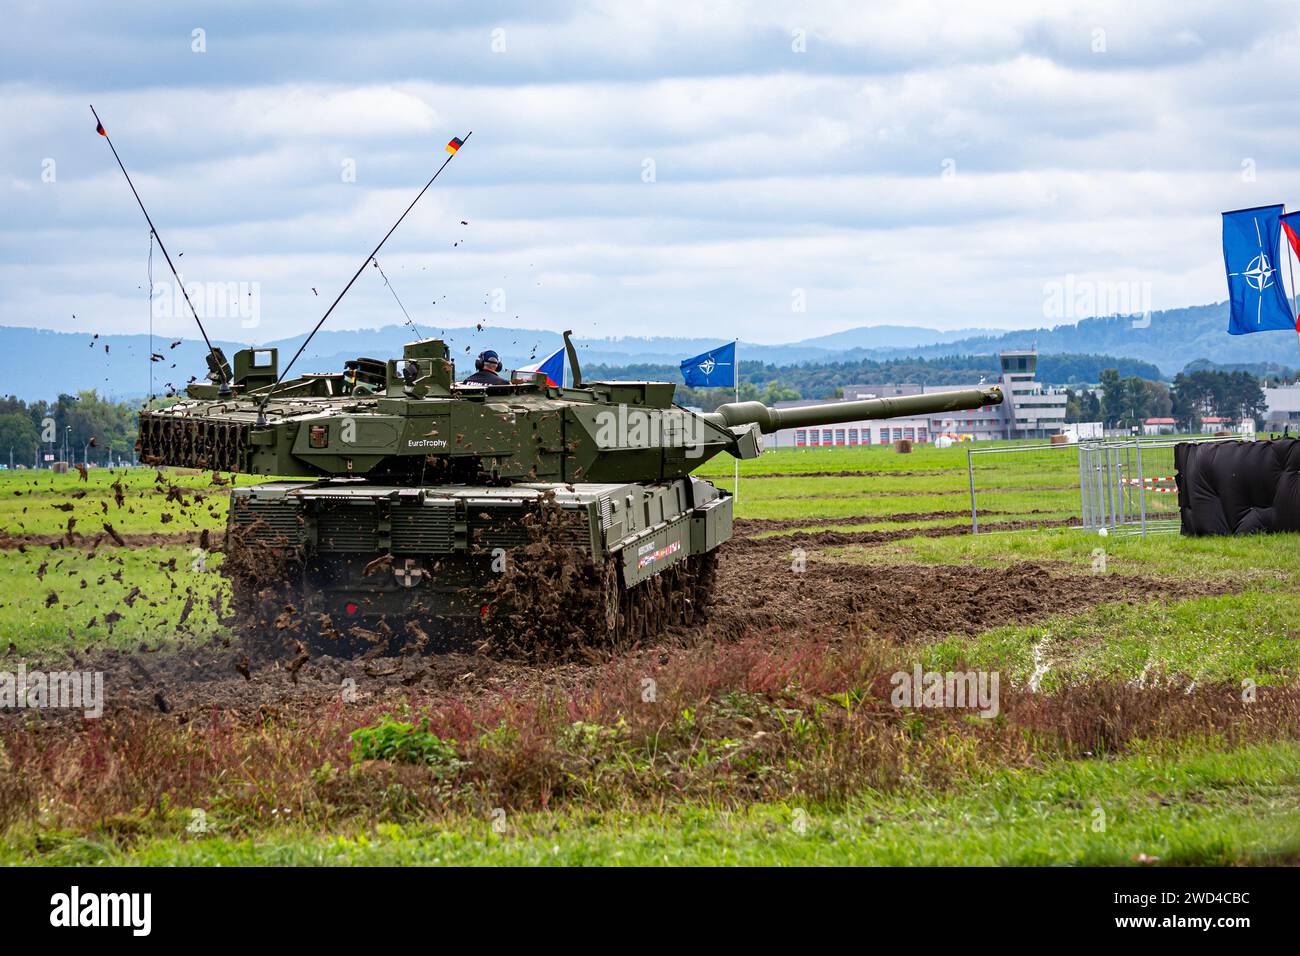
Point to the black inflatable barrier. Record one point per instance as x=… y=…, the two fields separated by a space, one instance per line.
x=1238 y=487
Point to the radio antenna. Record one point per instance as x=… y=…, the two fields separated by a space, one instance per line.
x=224 y=389
x=453 y=147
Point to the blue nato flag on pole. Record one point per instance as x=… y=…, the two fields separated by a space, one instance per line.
x=716 y=367
x=1256 y=298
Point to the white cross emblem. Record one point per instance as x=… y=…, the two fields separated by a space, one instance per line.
x=1259 y=274
x=409 y=574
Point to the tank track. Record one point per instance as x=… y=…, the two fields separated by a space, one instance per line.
x=550 y=605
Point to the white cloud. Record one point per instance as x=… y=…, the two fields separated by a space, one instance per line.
x=774 y=170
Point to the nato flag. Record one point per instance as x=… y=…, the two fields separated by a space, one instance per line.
x=715 y=367
x=1250 y=243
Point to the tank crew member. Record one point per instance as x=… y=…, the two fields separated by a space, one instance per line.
x=488 y=364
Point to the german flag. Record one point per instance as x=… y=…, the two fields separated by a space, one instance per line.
x=454 y=145
x=99 y=128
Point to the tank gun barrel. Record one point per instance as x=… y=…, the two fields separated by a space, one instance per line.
x=834 y=413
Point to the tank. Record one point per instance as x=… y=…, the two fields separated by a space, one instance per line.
x=407 y=509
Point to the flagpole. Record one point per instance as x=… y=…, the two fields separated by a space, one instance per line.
x=1295 y=298
x=1290 y=267
x=218 y=367
x=735 y=484
x=261 y=408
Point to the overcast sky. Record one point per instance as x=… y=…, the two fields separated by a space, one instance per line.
x=638 y=169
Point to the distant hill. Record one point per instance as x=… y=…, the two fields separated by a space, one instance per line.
x=875 y=337
x=40 y=363
x=821 y=379
x=1258 y=369
x=1170 y=340
x=54 y=362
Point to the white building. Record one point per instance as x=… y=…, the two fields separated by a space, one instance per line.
x=1032 y=410
x=1244 y=426
x=1283 y=408
x=877 y=432
x=1029 y=410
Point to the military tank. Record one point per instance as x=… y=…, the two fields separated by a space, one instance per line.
x=532 y=512
x=406 y=505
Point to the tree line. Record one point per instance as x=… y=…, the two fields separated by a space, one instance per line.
x=30 y=430
x=766 y=382
x=1124 y=402
x=1128 y=391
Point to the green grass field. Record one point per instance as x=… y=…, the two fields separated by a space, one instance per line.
x=28 y=501
x=1126 y=737
x=809 y=483
x=1198 y=807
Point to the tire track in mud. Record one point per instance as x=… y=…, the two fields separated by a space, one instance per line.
x=852 y=474
x=783 y=529
x=857 y=494
x=751 y=526
x=90 y=542
x=906 y=602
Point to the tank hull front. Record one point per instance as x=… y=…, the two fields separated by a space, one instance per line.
x=352 y=552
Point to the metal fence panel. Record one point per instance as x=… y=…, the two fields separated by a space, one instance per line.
x=1125 y=486
x=1013 y=487
x=1130 y=485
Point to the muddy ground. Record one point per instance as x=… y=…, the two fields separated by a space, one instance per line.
x=759 y=595
x=92 y=542
x=756 y=526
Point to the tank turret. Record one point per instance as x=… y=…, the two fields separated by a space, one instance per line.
x=406 y=420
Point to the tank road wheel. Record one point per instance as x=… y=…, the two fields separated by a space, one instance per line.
x=677 y=596
x=552 y=600
x=687 y=592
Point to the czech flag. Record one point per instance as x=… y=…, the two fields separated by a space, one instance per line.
x=1290 y=227
x=552 y=366
x=455 y=144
